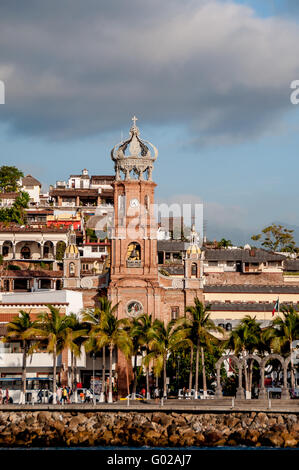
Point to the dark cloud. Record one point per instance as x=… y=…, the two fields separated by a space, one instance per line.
x=75 y=69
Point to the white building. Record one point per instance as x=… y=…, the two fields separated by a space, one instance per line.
x=33 y=187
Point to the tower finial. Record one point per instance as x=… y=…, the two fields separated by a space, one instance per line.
x=134 y=119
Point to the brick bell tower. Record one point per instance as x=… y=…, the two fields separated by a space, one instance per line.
x=134 y=266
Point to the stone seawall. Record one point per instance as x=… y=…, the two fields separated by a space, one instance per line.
x=132 y=428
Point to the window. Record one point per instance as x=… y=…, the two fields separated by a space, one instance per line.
x=134 y=254
x=230 y=263
x=213 y=263
x=146 y=202
x=85 y=267
x=6 y=348
x=94 y=249
x=72 y=269
x=5 y=250
x=194 y=270
x=25 y=252
x=175 y=313
x=45 y=284
x=134 y=308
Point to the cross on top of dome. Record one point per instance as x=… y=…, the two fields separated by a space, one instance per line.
x=134 y=157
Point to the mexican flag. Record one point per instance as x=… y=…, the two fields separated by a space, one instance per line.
x=276 y=307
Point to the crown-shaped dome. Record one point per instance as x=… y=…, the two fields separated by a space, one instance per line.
x=193 y=248
x=71 y=250
x=134 y=157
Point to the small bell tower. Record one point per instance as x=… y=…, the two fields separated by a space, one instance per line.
x=193 y=261
x=71 y=262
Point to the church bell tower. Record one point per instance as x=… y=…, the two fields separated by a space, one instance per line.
x=134 y=266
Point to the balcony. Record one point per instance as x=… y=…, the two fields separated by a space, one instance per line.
x=36 y=360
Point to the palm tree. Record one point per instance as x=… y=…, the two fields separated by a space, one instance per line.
x=224 y=243
x=76 y=334
x=245 y=339
x=163 y=339
x=186 y=342
x=283 y=332
x=92 y=317
x=18 y=329
x=113 y=333
x=52 y=327
x=140 y=330
x=199 y=332
x=135 y=332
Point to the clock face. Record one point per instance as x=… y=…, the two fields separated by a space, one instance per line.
x=134 y=202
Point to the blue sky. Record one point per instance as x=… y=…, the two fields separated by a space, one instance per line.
x=209 y=82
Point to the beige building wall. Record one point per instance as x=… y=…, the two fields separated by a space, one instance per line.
x=233 y=315
x=250 y=297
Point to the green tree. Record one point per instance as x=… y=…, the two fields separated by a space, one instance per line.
x=247 y=338
x=9 y=178
x=22 y=200
x=200 y=327
x=76 y=334
x=283 y=331
x=91 y=235
x=141 y=329
x=276 y=238
x=60 y=249
x=92 y=317
x=18 y=329
x=16 y=212
x=52 y=327
x=224 y=243
x=163 y=339
x=112 y=333
x=136 y=335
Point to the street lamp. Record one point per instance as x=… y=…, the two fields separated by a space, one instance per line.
x=93 y=374
x=178 y=382
x=102 y=395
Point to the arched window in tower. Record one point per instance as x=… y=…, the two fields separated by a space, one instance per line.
x=146 y=202
x=25 y=252
x=72 y=269
x=134 y=174
x=194 y=270
x=134 y=255
x=145 y=174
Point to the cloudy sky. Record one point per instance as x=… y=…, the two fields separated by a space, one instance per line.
x=209 y=81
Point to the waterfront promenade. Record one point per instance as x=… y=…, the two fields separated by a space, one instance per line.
x=178 y=406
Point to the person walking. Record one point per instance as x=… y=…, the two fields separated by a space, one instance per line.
x=1 y=396
x=64 y=394
x=59 y=395
x=88 y=396
x=6 y=396
x=157 y=394
x=40 y=396
x=68 y=394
